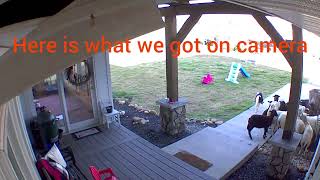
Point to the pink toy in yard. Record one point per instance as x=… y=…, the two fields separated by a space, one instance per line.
x=208 y=79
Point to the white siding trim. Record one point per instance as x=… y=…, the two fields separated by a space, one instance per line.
x=15 y=131
x=6 y=169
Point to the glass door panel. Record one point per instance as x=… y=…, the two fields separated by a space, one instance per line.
x=78 y=87
x=46 y=93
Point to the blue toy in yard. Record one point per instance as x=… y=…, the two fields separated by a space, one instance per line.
x=234 y=72
x=244 y=72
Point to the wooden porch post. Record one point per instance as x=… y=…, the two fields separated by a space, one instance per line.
x=296 y=85
x=173 y=112
x=171 y=62
x=295 y=60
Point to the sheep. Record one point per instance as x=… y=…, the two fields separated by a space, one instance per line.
x=276 y=105
x=300 y=126
x=306 y=136
x=282 y=119
x=261 y=121
x=265 y=111
x=258 y=100
x=273 y=105
x=299 y=123
x=313 y=121
x=276 y=102
x=305 y=103
x=276 y=97
x=274 y=125
x=283 y=106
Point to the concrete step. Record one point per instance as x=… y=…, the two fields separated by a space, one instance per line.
x=225 y=152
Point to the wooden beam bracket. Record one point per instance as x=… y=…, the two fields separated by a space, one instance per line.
x=273 y=33
x=187 y=26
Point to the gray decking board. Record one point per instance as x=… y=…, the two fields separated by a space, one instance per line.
x=107 y=163
x=130 y=157
x=137 y=159
x=101 y=161
x=180 y=165
x=160 y=164
x=150 y=164
x=167 y=163
x=118 y=167
x=131 y=166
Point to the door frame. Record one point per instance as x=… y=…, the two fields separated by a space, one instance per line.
x=85 y=124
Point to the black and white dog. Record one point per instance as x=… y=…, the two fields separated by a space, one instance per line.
x=258 y=100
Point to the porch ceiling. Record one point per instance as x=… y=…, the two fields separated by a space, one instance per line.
x=302 y=13
x=15 y=11
x=21 y=70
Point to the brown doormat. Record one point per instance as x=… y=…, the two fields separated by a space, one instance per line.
x=193 y=160
x=86 y=133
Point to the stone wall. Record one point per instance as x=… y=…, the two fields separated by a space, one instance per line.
x=172 y=120
x=279 y=162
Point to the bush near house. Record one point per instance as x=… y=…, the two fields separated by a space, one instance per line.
x=146 y=83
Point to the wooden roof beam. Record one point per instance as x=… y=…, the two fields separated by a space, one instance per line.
x=207 y=8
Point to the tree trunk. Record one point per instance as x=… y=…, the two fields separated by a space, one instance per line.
x=314 y=102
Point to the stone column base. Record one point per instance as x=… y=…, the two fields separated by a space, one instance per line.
x=279 y=162
x=281 y=154
x=173 y=116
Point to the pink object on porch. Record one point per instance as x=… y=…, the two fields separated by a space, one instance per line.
x=98 y=174
x=208 y=79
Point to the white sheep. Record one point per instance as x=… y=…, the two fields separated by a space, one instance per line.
x=276 y=105
x=258 y=101
x=273 y=105
x=306 y=136
x=314 y=122
x=282 y=119
x=300 y=126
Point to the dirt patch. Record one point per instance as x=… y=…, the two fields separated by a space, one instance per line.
x=151 y=131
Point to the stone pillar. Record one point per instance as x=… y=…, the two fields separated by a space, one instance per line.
x=314 y=101
x=281 y=154
x=173 y=116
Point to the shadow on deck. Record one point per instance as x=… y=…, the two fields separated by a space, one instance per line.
x=130 y=157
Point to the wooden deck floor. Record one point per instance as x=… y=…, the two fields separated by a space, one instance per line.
x=130 y=156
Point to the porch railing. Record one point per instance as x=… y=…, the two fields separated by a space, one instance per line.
x=314 y=170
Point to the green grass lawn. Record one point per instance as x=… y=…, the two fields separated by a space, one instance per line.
x=146 y=83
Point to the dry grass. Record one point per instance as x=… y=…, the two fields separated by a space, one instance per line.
x=146 y=83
